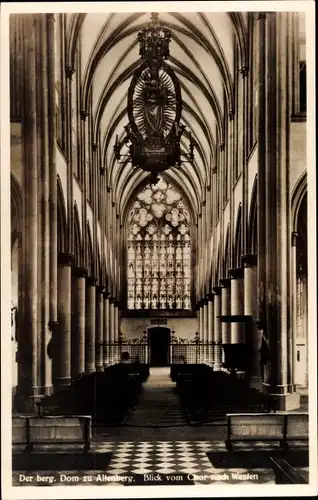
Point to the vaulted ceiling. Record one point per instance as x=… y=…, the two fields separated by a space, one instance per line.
x=202 y=56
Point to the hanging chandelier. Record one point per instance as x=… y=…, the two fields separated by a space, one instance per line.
x=154 y=107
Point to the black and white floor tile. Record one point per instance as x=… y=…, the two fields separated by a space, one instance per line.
x=187 y=458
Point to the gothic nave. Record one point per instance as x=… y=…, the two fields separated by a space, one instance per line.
x=159 y=233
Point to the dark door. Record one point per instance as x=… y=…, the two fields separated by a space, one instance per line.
x=159 y=346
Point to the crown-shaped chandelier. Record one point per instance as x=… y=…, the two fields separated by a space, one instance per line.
x=154 y=107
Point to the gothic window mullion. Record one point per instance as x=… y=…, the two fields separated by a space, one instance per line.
x=142 y=243
x=174 y=271
x=159 y=264
x=135 y=293
x=182 y=271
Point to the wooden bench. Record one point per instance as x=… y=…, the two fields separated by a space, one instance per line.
x=51 y=430
x=285 y=473
x=282 y=427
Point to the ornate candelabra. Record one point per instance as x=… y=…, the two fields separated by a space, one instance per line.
x=154 y=132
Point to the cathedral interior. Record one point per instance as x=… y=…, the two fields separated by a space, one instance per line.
x=159 y=240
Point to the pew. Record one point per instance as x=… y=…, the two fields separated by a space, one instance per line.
x=106 y=396
x=282 y=427
x=31 y=431
x=285 y=473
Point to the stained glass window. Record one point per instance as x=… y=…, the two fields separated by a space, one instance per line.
x=159 y=250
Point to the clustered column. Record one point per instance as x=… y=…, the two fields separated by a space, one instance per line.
x=226 y=311
x=217 y=329
x=78 y=321
x=90 y=325
x=237 y=306
x=106 y=338
x=99 y=362
x=250 y=310
x=210 y=337
x=61 y=363
x=205 y=320
x=201 y=327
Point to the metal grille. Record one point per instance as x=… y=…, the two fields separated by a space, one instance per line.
x=192 y=353
x=135 y=353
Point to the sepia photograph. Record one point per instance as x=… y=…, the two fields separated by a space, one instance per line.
x=158 y=267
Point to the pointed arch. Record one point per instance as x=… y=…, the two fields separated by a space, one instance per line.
x=227 y=253
x=16 y=209
x=90 y=252
x=240 y=31
x=252 y=221
x=77 y=240
x=298 y=193
x=99 y=267
x=217 y=271
x=237 y=251
x=61 y=218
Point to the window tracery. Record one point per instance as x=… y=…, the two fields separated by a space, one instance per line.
x=158 y=250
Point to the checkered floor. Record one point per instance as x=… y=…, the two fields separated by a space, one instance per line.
x=183 y=457
x=135 y=458
x=160 y=457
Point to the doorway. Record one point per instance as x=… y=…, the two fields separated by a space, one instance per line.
x=159 y=342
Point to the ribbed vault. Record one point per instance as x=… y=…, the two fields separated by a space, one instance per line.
x=202 y=56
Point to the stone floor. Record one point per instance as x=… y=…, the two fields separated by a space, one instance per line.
x=156 y=445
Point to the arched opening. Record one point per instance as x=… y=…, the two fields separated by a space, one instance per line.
x=301 y=297
x=252 y=226
x=90 y=256
x=16 y=207
x=159 y=250
x=227 y=255
x=238 y=240
x=159 y=343
x=61 y=219
x=77 y=240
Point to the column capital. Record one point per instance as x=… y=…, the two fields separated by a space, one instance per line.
x=244 y=71
x=210 y=296
x=237 y=273
x=80 y=272
x=112 y=300
x=53 y=325
x=113 y=204
x=116 y=303
x=106 y=295
x=205 y=301
x=91 y=281
x=225 y=282
x=294 y=237
x=217 y=290
x=100 y=289
x=84 y=114
x=69 y=70
x=260 y=324
x=249 y=259
x=222 y=146
x=214 y=169
x=231 y=115
x=208 y=188
x=65 y=259
x=261 y=16
x=94 y=146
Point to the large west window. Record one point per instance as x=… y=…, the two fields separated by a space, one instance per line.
x=158 y=250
